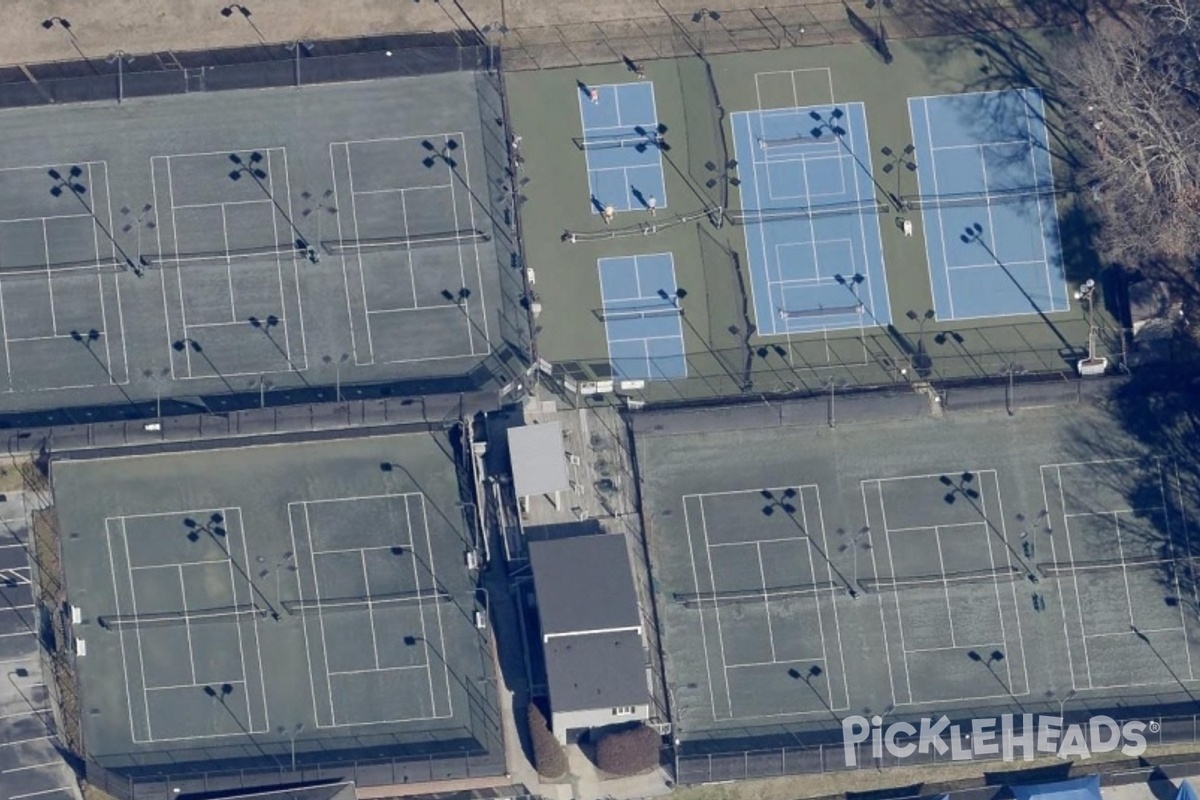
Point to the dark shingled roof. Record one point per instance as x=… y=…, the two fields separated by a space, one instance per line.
x=584 y=584
x=597 y=670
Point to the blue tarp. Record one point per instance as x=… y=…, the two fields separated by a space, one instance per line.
x=1086 y=788
x=1186 y=792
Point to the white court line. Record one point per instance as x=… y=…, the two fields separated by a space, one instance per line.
x=703 y=636
x=1116 y=511
x=462 y=269
x=408 y=544
x=438 y=612
x=362 y=555
x=777 y=663
x=993 y=265
x=717 y=610
x=43 y=218
x=42 y=792
x=982 y=646
x=192 y=685
x=1171 y=538
x=816 y=598
x=1003 y=533
x=362 y=277
x=16 y=742
x=187 y=626
x=99 y=276
x=937 y=192
x=899 y=615
x=978 y=145
x=187 y=351
x=287 y=182
x=379 y=669
x=228 y=264
x=402 y=189
x=312 y=687
x=762 y=574
x=137 y=632
x=760 y=541
x=937 y=539
x=1075 y=580
x=421 y=606
x=30 y=766
x=487 y=336
x=320 y=619
x=221 y=204
x=1040 y=200
x=1131 y=633
x=931 y=527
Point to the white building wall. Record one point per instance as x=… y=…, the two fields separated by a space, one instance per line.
x=565 y=721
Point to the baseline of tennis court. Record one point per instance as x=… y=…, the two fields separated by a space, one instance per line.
x=1119 y=557
x=948 y=580
x=621 y=146
x=765 y=603
x=643 y=322
x=988 y=209
x=812 y=227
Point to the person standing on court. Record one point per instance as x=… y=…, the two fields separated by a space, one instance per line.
x=652 y=205
x=608 y=214
x=594 y=96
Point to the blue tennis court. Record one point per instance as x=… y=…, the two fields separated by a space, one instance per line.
x=991 y=224
x=621 y=144
x=642 y=319
x=812 y=219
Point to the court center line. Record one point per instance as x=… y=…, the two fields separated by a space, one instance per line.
x=762 y=574
x=1075 y=579
x=717 y=611
x=700 y=612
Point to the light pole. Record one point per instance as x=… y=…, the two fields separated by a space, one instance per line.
x=1090 y=365
x=301 y=45
x=1011 y=369
x=1062 y=701
x=291 y=733
x=262 y=390
x=896 y=160
x=65 y=24
x=853 y=543
x=337 y=373
x=120 y=58
x=228 y=10
x=322 y=207
x=880 y=39
x=702 y=17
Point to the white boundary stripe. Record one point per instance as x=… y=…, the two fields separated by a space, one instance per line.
x=307 y=538
x=988 y=482
x=1124 y=565
x=816 y=608
x=229 y=513
x=357 y=263
x=70 y=789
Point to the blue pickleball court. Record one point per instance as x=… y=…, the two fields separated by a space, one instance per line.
x=621 y=145
x=811 y=219
x=642 y=319
x=987 y=202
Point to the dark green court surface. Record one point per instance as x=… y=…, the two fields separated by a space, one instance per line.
x=236 y=603
x=971 y=565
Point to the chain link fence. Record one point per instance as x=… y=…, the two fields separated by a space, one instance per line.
x=782 y=753
x=712 y=31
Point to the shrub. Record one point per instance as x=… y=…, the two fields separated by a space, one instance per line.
x=549 y=758
x=628 y=751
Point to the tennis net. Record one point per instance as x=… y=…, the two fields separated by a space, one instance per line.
x=756 y=217
x=975 y=199
x=1061 y=569
x=359 y=602
x=638 y=312
x=157 y=619
x=986 y=575
x=765 y=143
x=456 y=238
x=636 y=140
x=751 y=596
x=62 y=268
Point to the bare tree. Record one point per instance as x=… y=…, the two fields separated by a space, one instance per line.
x=1133 y=85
